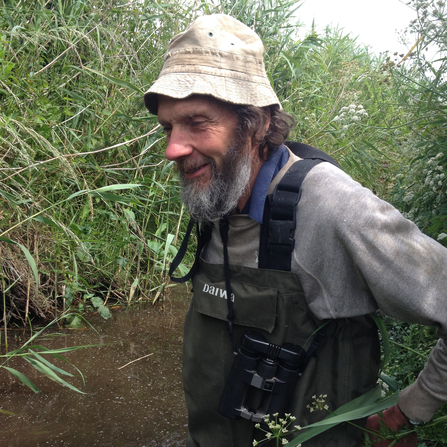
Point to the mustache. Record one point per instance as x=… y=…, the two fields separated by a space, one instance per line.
x=187 y=166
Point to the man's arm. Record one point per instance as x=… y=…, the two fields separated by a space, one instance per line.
x=357 y=254
x=420 y=400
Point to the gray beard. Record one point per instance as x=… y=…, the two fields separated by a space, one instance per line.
x=226 y=187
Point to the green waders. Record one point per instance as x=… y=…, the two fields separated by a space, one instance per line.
x=272 y=303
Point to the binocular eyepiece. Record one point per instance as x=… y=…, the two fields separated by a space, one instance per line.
x=262 y=379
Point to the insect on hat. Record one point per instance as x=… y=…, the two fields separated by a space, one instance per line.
x=216 y=55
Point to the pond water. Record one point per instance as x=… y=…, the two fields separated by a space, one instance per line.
x=140 y=405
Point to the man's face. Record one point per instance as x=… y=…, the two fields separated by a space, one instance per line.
x=198 y=128
x=214 y=167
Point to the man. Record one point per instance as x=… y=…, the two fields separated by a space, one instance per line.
x=353 y=255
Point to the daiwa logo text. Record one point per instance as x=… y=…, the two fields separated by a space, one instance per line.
x=217 y=291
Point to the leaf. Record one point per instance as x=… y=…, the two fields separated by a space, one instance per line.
x=104 y=312
x=9 y=241
x=116 y=80
x=74 y=95
x=29 y=258
x=385 y=339
x=122 y=261
x=48 y=372
x=32 y=264
x=112 y=197
x=75 y=267
x=57 y=351
x=168 y=243
x=117 y=187
x=78 y=193
x=358 y=408
x=23 y=379
x=50 y=365
x=76 y=322
x=154 y=246
x=8 y=197
x=83 y=254
x=68 y=295
x=133 y=288
x=17 y=27
x=96 y=301
x=374 y=148
x=390 y=381
x=130 y=215
x=47 y=221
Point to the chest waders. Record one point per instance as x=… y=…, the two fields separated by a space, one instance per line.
x=269 y=301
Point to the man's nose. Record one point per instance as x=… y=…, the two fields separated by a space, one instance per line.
x=178 y=145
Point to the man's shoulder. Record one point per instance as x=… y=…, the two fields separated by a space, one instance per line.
x=308 y=152
x=324 y=170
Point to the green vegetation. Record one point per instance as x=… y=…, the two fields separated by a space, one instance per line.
x=423 y=135
x=90 y=213
x=89 y=209
x=85 y=190
x=37 y=356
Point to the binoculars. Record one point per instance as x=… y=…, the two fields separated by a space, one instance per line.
x=262 y=379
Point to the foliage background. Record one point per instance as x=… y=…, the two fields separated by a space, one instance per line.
x=89 y=210
x=72 y=121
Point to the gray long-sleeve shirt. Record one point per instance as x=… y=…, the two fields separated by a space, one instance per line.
x=354 y=254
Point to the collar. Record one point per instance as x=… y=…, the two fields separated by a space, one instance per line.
x=255 y=204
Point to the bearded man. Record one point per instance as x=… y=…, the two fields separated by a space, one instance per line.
x=266 y=333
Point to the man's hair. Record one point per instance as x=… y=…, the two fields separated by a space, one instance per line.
x=252 y=121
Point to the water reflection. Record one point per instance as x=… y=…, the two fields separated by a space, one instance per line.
x=140 y=405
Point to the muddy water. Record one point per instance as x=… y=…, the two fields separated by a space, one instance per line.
x=140 y=405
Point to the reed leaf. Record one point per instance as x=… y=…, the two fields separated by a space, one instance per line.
x=23 y=379
x=48 y=372
x=358 y=408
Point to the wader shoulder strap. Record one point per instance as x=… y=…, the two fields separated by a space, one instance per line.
x=305 y=151
x=277 y=240
x=203 y=236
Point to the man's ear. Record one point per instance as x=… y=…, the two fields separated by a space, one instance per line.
x=268 y=117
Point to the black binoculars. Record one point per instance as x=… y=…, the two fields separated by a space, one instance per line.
x=262 y=379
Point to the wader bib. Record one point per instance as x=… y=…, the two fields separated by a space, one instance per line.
x=272 y=303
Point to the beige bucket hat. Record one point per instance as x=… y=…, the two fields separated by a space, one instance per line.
x=216 y=55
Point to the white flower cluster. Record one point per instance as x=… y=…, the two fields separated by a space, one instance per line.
x=278 y=428
x=431 y=19
x=428 y=188
x=318 y=403
x=384 y=387
x=350 y=115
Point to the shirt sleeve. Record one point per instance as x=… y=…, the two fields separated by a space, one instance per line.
x=356 y=254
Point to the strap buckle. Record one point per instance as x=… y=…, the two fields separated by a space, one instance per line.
x=282 y=221
x=282 y=233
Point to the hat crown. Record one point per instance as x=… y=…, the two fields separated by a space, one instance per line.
x=219 y=32
x=217 y=56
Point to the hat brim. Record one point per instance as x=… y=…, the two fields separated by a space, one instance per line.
x=236 y=91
